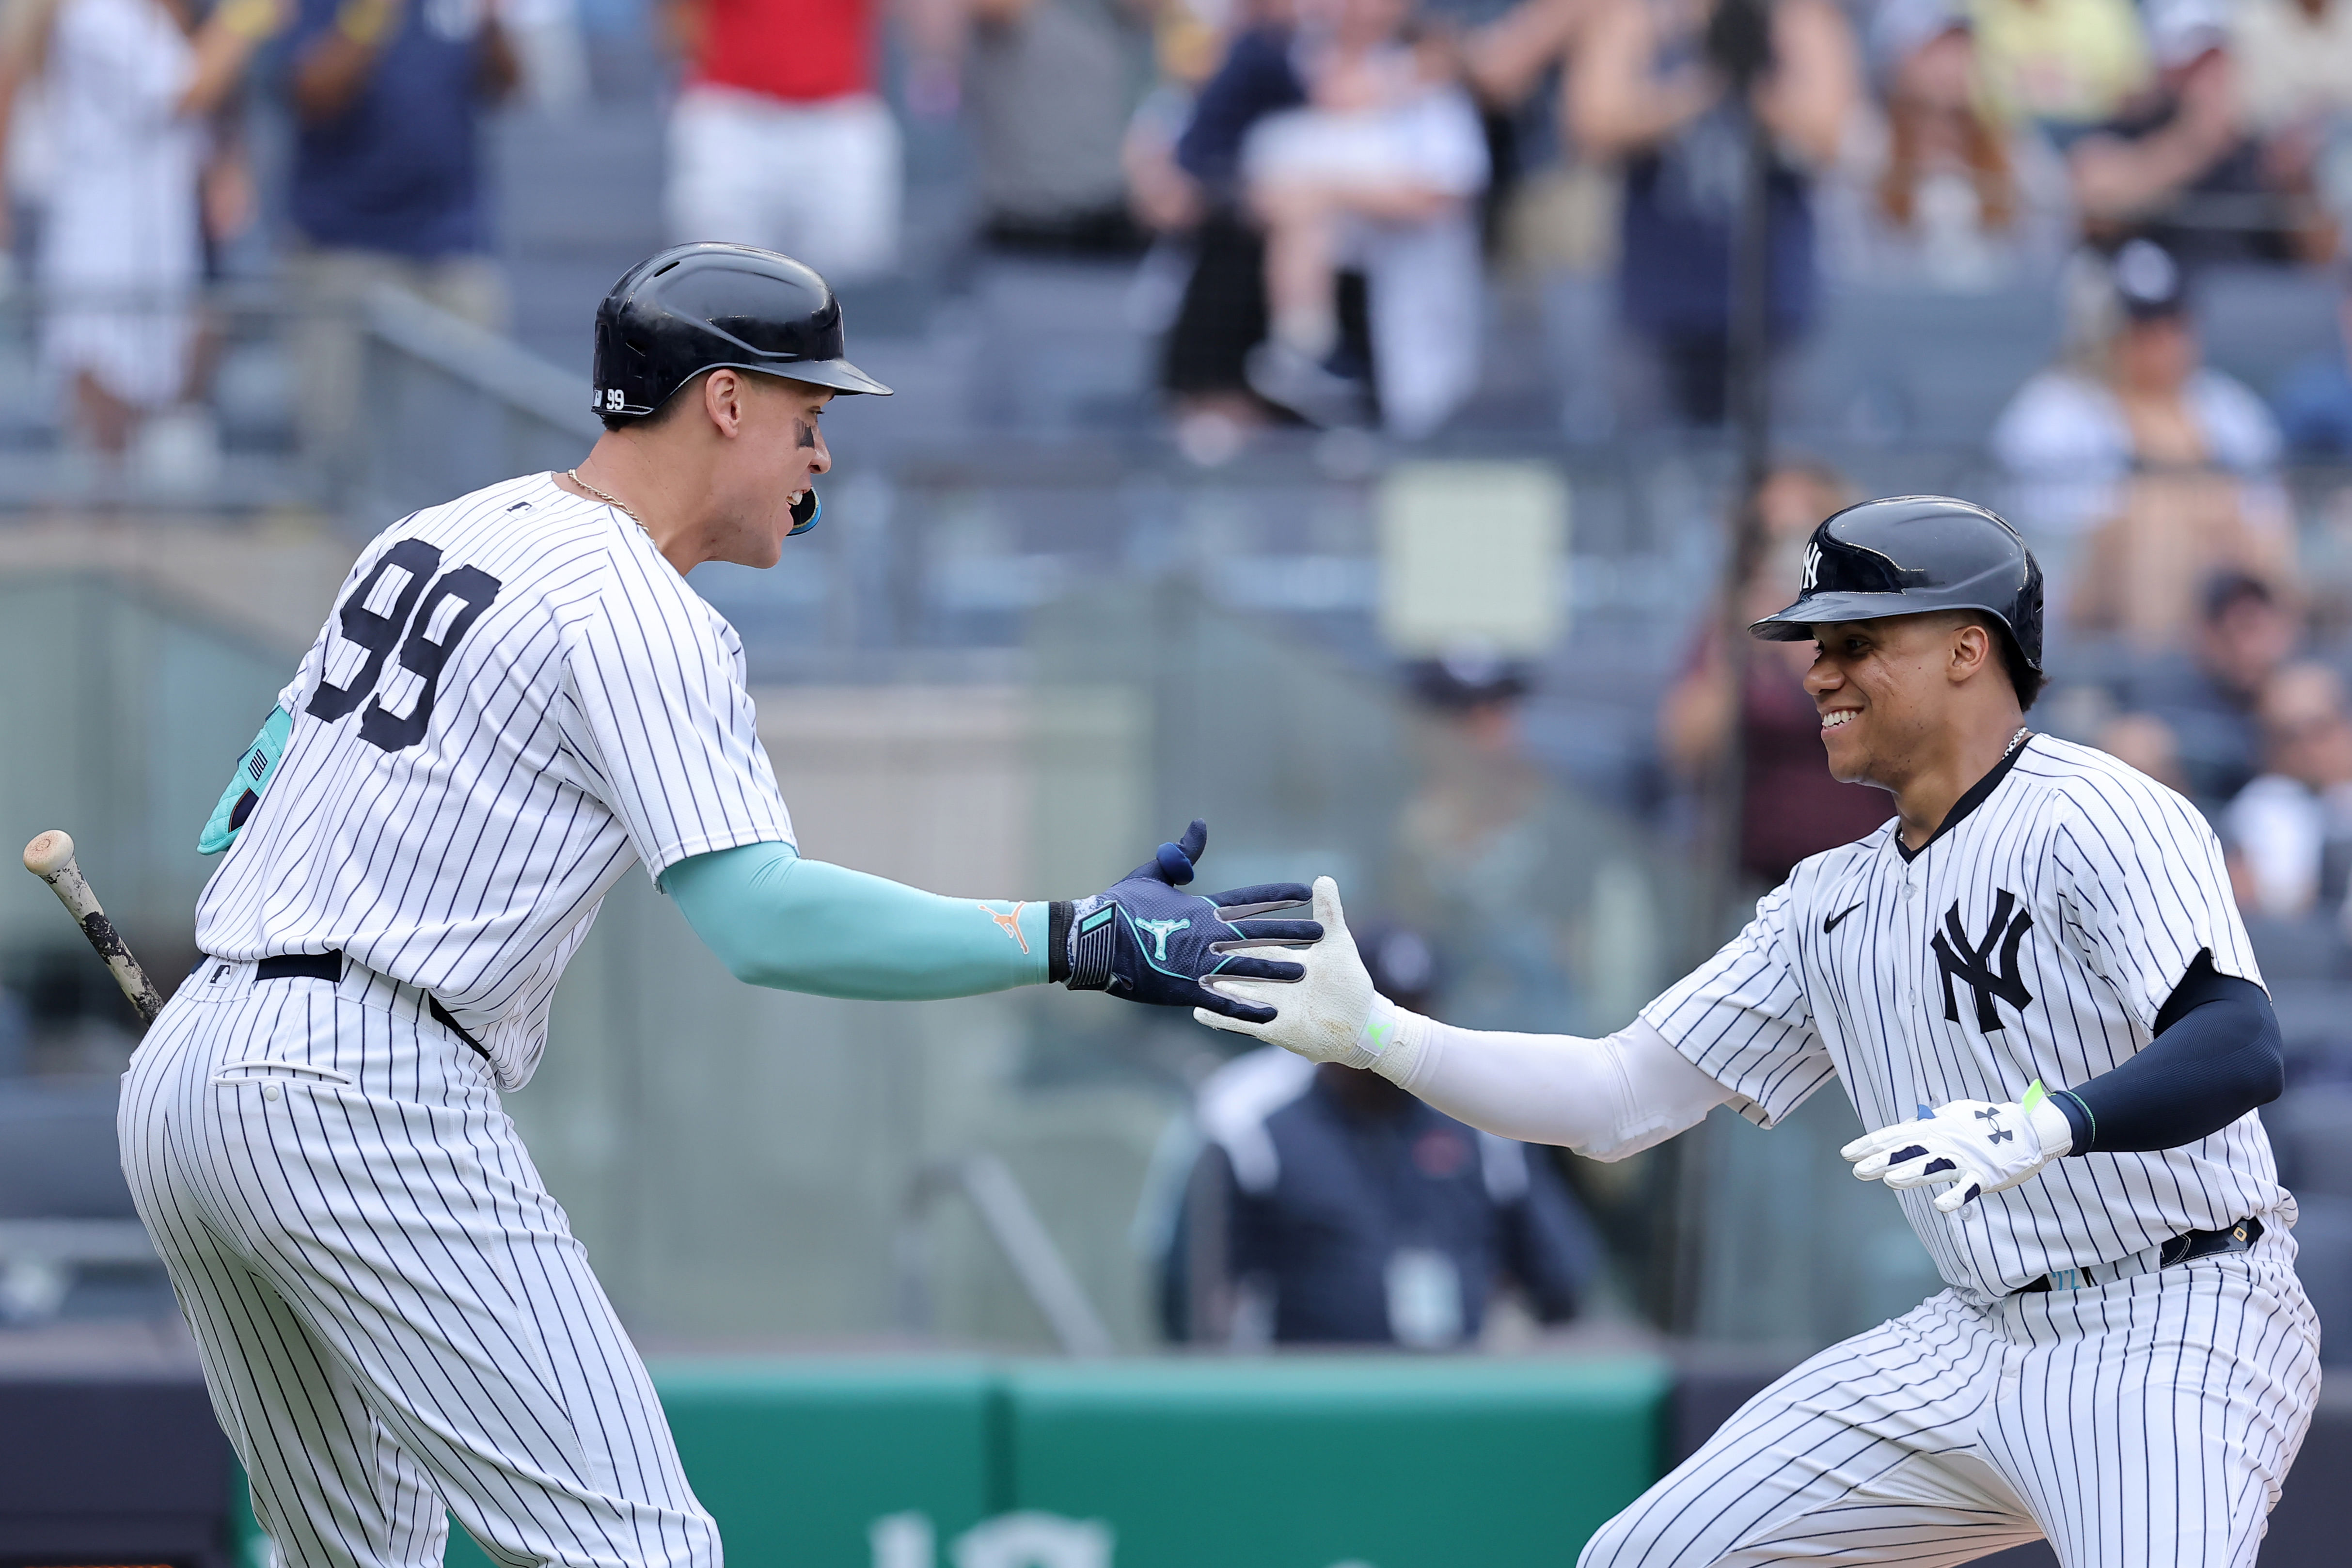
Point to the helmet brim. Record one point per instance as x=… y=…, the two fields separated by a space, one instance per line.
x=1796 y=622
x=837 y=373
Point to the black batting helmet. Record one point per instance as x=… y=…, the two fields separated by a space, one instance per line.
x=1906 y=555
x=709 y=307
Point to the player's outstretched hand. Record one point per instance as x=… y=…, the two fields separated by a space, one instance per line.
x=1325 y=1016
x=1969 y=1147
x=1148 y=942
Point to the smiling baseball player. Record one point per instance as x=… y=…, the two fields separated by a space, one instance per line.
x=2035 y=988
x=516 y=697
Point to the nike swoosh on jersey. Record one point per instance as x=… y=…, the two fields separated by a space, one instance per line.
x=1831 y=924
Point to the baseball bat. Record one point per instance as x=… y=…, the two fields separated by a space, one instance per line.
x=51 y=858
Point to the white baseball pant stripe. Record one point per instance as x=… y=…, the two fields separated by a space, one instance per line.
x=2148 y=1423
x=392 y=1311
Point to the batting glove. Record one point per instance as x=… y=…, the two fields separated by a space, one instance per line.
x=1333 y=1014
x=1148 y=942
x=1969 y=1147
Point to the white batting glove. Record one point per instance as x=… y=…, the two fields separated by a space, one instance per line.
x=1331 y=1016
x=1969 y=1147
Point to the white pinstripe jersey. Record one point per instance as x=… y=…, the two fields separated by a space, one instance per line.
x=514 y=698
x=2036 y=936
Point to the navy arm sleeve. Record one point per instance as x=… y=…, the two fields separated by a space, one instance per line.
x=2217 y=1054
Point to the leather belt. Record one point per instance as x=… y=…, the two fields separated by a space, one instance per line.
x=2184 y=1249
x=329 y=966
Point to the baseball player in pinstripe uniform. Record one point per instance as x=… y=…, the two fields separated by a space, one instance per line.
x=516 y=699
x=2035 y=988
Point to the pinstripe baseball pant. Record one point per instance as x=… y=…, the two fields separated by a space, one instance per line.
x=2147 y=1422
x=392 y=1311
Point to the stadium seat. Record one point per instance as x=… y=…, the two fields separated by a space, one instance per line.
x=1885 y=364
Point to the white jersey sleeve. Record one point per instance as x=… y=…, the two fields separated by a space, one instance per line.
x=2141 y=880
x=656 y=712
x=1743 y=1019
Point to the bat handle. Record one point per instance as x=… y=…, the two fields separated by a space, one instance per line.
x=50 y=857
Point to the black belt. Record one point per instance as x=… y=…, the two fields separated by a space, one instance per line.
x=329 y=966
x=2188 y=1247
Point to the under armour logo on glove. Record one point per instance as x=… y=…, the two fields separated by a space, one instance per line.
x=1959 y=1147
x=1189 y=935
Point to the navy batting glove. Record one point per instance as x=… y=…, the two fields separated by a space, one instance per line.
x=1146 y=941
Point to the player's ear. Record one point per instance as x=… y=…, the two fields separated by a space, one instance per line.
x=1971 y=647
x=724 y=395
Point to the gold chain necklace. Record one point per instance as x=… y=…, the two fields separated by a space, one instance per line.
x=611 y=501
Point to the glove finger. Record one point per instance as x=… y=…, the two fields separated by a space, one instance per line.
x=1173 y=865
x=1278 y=931
x=1885 y=1137
x=1326 y=905
x=1915 y=1175
x=1228 y=1023
x=1242 y=967
x=1258 y=895
x=1951 y=1198
x=1889 y=1165
x=1195 y=839
x=1231 y=1007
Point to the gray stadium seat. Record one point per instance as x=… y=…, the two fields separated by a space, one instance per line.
x=58 y=1154
x=2324 y=1234
x=2258 y=322
x=2311 y=1130
x=1895 y=364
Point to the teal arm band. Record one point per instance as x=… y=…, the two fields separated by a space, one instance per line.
x=245 y=785
x=776 y=919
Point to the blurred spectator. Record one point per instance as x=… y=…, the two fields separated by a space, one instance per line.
x=130 y=84
x=1546 y=912
x=2290 y=831
x=2060 y=65
x=1790 y=806
x=1220 y=314
x=1332 y=1208
x=1049 y=84
x=1378 y=169
x=2144 y=741
x=1645 y=89
x=388 y=98
x=2180 y=163
x=779 y=137
x=2314 y=398
x=2205 y=694
x=2294 y=71
x=1931 y=189
x=2132 y=396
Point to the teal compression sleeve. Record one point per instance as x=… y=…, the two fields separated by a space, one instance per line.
x=779 y=920
x=245 y=784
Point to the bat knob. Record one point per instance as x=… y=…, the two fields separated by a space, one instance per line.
x=50 y=853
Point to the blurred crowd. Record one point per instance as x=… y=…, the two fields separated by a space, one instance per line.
x=1320 y=198
x=1328 y=189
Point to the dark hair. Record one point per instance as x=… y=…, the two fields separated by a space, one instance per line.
x=2227 y=589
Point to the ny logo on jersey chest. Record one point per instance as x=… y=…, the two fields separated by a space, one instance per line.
x=1972 y=962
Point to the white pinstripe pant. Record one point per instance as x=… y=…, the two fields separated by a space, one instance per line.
x=392 y=1311
x=2144 y=1423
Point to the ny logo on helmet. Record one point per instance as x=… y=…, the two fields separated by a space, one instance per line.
x=1971 y=963
x=1812 y=570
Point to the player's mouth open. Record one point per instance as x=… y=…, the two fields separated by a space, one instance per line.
x=1836 y=717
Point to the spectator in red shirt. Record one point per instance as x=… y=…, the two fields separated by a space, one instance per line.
x=779 y=139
